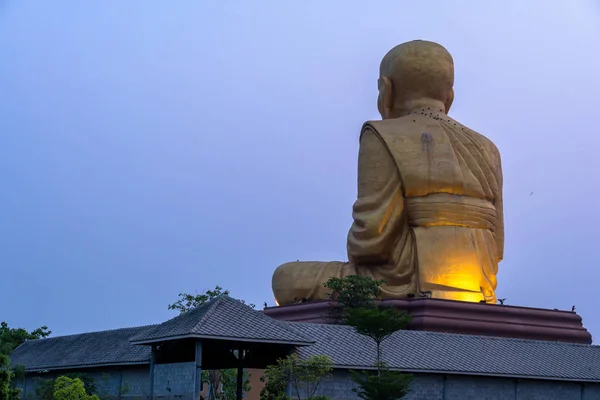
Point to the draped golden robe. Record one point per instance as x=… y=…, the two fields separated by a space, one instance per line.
x=428 y=216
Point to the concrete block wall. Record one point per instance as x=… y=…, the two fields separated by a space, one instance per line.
x=179 y=378
x=171 y=381
x=457 y=387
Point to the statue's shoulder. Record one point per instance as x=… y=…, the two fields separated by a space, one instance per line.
x=395 y=127
x=395 y=124
x=485 y=141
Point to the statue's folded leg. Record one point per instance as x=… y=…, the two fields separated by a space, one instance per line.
x=295 y=281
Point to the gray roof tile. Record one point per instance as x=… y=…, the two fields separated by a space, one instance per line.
x=406 y=350
x=453 y=353
x=85 y=349
x=226 y=318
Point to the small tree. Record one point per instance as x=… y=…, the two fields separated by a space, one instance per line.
x=304 y=378
x=358 y=298
x=188 y=301
x=45 y=388
x=66 y=388
x=387 y=385
x=377 y=323
x=7 y=392
x=11 y=338
x=223 y=383
x=228 y=380
x=354 y=291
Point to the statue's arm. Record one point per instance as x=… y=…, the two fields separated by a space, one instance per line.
x=379 y=205
x=499 y=203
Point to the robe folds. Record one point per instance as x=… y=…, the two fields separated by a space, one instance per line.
x=428 y=215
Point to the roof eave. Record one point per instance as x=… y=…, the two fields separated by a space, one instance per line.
x=469 y=373
x=224 y=338
x=81 y=366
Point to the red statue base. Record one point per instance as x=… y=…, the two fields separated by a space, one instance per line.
x=462 y=317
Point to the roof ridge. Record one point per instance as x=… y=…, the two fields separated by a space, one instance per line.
x=211 y=310
x=288 y=326
x=485 y=337
x=92 y=332
x=282 y=324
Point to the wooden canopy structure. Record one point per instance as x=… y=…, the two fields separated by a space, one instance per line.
x=220 y=334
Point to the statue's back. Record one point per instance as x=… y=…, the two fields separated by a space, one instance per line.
x=452 y=187
x=439 y=155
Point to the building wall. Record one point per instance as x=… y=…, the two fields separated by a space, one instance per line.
x=456 y=387
x=171 y=381
x=176 y=381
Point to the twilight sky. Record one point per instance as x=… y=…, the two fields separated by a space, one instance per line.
x=154 y=147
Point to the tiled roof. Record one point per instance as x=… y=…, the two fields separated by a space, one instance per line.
x=224 y=318
x=410 y=351
x=82 y=350
x=419 y=351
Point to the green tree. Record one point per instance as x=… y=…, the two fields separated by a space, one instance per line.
x=388 y=385
x=377 y=323
x=223 y=383
x=7 y=392
x=11 y=338
x=354 y=291
x=358 y=298
x=188 y=301
x=44 y=390
x=303 y=377
x=66 y=388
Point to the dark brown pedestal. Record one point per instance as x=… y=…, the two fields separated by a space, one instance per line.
x=463 y=317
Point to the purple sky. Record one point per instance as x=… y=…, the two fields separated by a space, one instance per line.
x=154 y=147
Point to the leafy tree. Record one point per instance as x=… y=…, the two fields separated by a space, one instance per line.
x=66 y=388
x=354 y=291
x=188 y=301
x=304 y=378
x=228 y=379
x=11 y=338
x=45 y=388
x=358 y=298
x=223 y=383
x=377 y=323
x=388 y=385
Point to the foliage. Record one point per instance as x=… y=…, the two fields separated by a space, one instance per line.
x=354 y=291
x=5 y=377
x=377 y=323
x=302 y=376
x=229 y=384
x=45 y=388
x=188 y=301
x=222 y=382
x=387 y=385
x=7 y=392
x=11 y=338
x=66 y=388
x=358 y=297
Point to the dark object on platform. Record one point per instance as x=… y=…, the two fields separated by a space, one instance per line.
x=461 y=317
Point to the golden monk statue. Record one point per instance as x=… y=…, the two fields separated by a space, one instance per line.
x=429 y=216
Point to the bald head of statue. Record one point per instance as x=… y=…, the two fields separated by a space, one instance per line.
x=415 y=75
